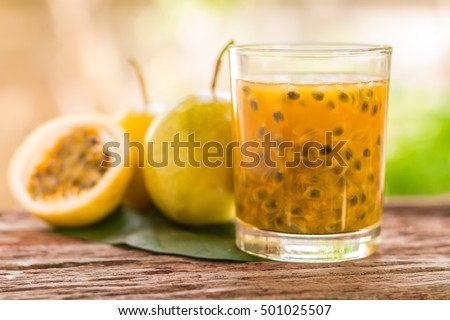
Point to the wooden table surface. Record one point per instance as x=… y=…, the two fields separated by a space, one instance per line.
x=413 y=262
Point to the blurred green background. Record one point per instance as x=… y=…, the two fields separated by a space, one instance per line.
x=418 y=155
x=59 y=57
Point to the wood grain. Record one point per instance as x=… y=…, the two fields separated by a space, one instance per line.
x=412 y=263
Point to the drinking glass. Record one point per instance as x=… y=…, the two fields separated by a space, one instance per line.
x=310 y=120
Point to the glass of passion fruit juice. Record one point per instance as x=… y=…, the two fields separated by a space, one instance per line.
x=310 y=120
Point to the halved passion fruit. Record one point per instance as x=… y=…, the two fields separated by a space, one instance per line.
x=63 y=173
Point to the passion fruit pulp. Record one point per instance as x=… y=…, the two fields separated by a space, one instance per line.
x=63 y=173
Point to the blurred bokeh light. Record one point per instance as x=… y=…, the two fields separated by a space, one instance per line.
x=59 y=57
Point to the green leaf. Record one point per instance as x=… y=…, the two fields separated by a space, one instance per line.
x=153 y=232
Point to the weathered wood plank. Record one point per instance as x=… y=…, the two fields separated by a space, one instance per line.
x=412 y=263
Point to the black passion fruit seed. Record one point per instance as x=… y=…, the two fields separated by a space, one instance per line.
x=366 y=152
x=344 y=97
x=262 y=194
x=326 y=150
x=365 y=107
x=348 y=154
x=374 y=110
x=338 y=170
x=278 y=116
x=314 y=193
x=246 y=90
x=279 y=221
x=293 y=95
x=363 y=198
x=338 y=131
x=253 y=105
x=333 y=228
x=331 y=105
x=353 y=201
x=279 y=176
x=357 y=165
x=270 y=204
x=318 y=96
x=296 y=211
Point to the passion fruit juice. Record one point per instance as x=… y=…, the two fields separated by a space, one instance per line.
x=344 y=192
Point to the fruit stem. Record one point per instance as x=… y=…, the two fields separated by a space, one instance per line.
x=137 y=68
x=218 y=62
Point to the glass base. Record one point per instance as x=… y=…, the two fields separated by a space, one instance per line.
x=307 y=248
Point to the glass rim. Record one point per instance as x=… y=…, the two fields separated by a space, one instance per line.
x=313 y=49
